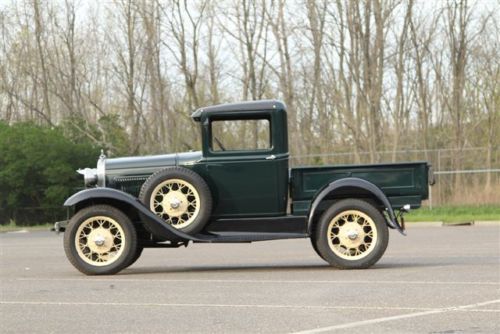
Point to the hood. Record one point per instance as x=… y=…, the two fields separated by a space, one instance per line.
x=140 y=165
x=108 y=170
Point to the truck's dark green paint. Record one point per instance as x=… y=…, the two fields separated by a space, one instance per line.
x=258 y=183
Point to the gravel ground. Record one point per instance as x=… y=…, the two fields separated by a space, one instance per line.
x=435 y=280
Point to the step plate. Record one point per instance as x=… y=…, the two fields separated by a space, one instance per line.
x=235 y=237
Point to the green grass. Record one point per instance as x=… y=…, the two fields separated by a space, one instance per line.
x=12 y=227
x=455 y=214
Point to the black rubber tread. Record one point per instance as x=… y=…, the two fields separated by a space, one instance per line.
x=312 y=238
x=188 y=175
x=313 y=244
x=100 y=210
x=321 y=235
x=137 y=255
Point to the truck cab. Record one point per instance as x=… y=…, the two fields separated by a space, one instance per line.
x=245 y=158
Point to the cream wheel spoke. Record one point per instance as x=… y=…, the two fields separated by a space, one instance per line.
x=179 y=206
x=98 y=237
x=352 y=234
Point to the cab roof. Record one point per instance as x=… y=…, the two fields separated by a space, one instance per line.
x=240 y=106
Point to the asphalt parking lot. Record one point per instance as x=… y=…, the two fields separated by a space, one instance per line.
x=435 y=280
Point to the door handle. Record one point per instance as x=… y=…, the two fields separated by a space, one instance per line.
x=271 y=157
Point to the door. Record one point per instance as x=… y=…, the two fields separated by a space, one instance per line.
x=249 y=177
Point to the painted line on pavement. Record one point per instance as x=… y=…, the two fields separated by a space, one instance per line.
x=337 y=307
x=396 y=317
x=133 y=280
x=212 y=305
x=426 y=310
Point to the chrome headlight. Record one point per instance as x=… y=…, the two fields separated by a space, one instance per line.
x=89 y=176
x=95 y=176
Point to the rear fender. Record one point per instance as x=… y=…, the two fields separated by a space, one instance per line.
x=352 y=187
x=152 y=222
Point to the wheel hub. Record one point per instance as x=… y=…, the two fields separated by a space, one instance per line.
x=175 y=203
x=352 y=234
x=100 y=240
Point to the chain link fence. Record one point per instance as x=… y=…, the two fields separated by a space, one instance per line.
x=476 y=182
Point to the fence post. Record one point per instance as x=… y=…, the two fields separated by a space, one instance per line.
x=430 y=197
x=438 y=184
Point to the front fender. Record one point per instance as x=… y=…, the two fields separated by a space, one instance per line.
x=153 y=223
x=354 y=183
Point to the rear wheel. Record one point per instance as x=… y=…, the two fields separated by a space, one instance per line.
x=100 y=240
x=351 y=234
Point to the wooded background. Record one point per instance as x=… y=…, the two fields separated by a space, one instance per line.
x=371 y=78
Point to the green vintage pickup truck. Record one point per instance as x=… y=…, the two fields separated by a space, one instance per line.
x=238 y=188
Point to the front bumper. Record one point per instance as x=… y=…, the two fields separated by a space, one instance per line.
x=60 y=226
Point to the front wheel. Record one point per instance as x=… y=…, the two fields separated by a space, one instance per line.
x=100 y=240
x=351 y=234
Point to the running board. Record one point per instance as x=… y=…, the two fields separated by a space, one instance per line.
x=237 y=237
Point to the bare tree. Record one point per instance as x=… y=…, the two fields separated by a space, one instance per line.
x=40 y=47
x=184 y=26
x=160 y=118
x=369 y=78
x=281 y=30
x=316 y=14
x=252 y=37
x=421 y=39
x=399 y=69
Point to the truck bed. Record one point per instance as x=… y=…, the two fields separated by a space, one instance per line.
x=403 y=183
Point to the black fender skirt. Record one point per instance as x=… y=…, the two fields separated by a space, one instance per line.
x=111 y=196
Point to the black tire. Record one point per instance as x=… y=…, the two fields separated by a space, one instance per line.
x=193 y=224
x=368 y=235
x=314 y=246
x=82 y=257
x=137 y=255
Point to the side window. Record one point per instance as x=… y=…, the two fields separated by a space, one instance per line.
x=241 y=135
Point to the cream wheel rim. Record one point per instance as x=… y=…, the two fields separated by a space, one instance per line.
x=100 y=241
x=176 y=201
x=352 y=235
